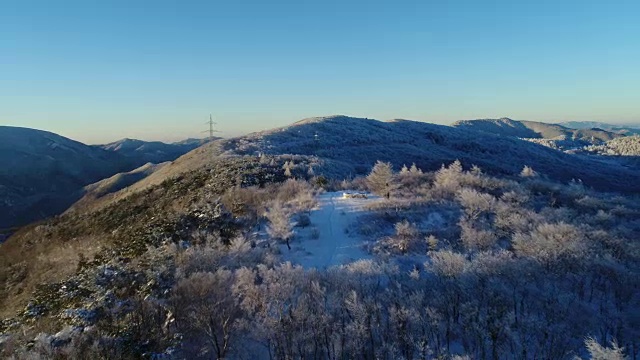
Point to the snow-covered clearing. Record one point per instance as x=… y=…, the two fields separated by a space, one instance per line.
x=334 y=243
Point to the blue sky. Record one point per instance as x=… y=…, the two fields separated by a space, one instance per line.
x=97 y=71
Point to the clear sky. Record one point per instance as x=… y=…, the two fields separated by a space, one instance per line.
x=97 y=71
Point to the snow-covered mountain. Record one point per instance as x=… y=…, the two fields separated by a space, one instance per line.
x=345 y=146
x=226 y=223
x=40 y=173
x=354 y=144
x=156 y=152
x=40 y=170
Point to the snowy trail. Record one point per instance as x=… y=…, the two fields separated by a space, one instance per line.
x=334 y=246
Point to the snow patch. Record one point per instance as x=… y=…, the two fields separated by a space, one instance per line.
x=328 y=241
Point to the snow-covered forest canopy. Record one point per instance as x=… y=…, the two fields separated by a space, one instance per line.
x=457 y=264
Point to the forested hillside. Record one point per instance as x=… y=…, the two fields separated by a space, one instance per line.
x=460 y=264
x=354 y=144
x=337 y=237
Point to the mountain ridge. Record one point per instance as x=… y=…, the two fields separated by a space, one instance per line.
x=156 y=152
x=40 y=172
x=350 y=146
x=536 y=130
x=626 y=129
x=43 y=173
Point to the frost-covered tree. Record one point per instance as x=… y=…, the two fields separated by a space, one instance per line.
x=447 y=263
x=475 y=203
x=476 y=239
x=288 y=167
x=280 y=227
x=475 y=170
x=599 y=352
x=447 y=179
x=528 y=172
x=548 y=243
x=432 y=242
x=291 y=189
x=406 y=234
x=415 y=170
x=304 y=202
x=381 y=179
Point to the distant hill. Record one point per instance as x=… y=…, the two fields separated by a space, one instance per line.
x=195 y=142
x=142 y=152
x=41 y=173
x=537 y=130
x=629 y=129
x=98 y=192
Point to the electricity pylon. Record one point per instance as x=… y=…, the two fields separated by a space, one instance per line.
x=212 y=128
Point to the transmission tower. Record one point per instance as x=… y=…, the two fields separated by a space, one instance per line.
x=212 y=128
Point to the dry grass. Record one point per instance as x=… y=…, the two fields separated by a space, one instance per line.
x=49 y=252
x=23 y=268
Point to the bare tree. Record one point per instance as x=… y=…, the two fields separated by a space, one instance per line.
x=205 y=306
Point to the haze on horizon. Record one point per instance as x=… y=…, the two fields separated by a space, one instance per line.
x=154 y=70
